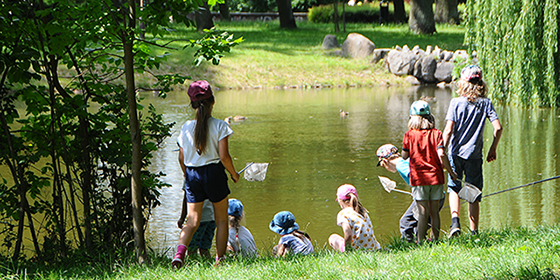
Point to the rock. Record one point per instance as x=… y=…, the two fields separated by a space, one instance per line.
x=357 y=46
x=429 y=49
x=425 y=68
x=401 y=63
x=447 y=56
x=460 y=55
x=412 y=80
x=330 y=42
x=444 y=72
x=379 y=54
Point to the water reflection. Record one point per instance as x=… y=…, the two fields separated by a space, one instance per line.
x=312 y=150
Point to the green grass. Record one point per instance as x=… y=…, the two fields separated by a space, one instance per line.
x=271 y=57
x=520 y=253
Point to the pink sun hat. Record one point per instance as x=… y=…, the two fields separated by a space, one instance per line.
x=344 y=190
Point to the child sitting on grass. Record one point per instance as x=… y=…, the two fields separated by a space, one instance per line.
x=240 y=240
x=355 y=222
x=292 y=240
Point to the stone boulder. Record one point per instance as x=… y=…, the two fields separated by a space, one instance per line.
x=330 y=42
x=444 y=72
x=424 y=69
x=357 y=46
x=379 y=54
x=401 y=63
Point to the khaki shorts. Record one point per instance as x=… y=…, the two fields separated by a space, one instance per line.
x=435 y=192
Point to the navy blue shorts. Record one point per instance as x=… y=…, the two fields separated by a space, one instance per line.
x=203 y=236
x=206 y=182
x=471 y=169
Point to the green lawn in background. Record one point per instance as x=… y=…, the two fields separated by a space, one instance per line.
x=271 y=57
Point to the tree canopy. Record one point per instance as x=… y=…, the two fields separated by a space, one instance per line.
x=517 y=45
x=71 y=65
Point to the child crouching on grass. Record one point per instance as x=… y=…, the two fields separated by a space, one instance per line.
x=292 y=240
x=355 y=222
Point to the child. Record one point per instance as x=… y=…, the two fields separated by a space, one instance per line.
x=463 y=135
x=203 y=156
x=355 y=222
x=202 y=238
x=292 y=240
x=390 y=158
x=423 y=143
x=240 y=239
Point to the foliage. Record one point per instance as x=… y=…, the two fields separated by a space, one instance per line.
x=67 y=153
x=213 y=45
x=517 y=42
x=367 y=13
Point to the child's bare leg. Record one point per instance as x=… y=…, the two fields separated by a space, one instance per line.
x=193 y=221
x=474 y=212
x=434 y=215
x=337 y=242
x=454 y=204
x=222 y=226
x=422 y=219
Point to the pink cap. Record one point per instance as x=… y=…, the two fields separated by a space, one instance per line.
x=199 y=90
x=344 y=190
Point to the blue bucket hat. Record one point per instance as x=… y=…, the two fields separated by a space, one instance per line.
x=235 y=207
x=283 y=223
x=419 y=107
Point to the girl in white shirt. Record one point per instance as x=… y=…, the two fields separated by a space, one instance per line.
x=204 y=157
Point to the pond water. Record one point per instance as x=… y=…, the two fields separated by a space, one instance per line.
x=312 y=150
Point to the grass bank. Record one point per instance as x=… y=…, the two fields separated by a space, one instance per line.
x=520 y=253
x=271 y=57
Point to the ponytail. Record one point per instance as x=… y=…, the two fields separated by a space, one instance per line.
x=356 y=205
x=203 y=113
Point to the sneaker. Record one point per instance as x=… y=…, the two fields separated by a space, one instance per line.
x=474 y=232
x=177 y=262
x=455 y=230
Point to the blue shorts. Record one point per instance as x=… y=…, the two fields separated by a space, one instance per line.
x=470 y=168
x=203 y=236
x=206 y=182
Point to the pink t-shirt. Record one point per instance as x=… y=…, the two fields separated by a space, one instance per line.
x=425 y=165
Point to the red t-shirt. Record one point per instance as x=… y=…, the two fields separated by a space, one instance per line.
x=425 y=165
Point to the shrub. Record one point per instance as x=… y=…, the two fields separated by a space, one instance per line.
x=366 y=13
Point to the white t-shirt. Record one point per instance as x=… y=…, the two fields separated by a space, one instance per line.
x=217 y=130
x=362 y=229
x=246 y=241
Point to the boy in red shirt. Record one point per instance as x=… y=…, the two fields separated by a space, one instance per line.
x=423 y=143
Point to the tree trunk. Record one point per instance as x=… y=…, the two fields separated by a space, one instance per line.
x=136 y=138
x=335 y=17
x=446 y=12
x=286 y=15
x=224 y=11
x=421 y=20
x=400 y=13
x=203 y=17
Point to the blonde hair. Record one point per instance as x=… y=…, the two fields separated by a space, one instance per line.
x=356 y=205
x=472 y=91
x=421 y=122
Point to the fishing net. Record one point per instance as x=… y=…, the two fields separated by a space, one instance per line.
x=469 y=192
x=256 y=172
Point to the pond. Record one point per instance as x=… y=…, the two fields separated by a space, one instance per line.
x=312 y=150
